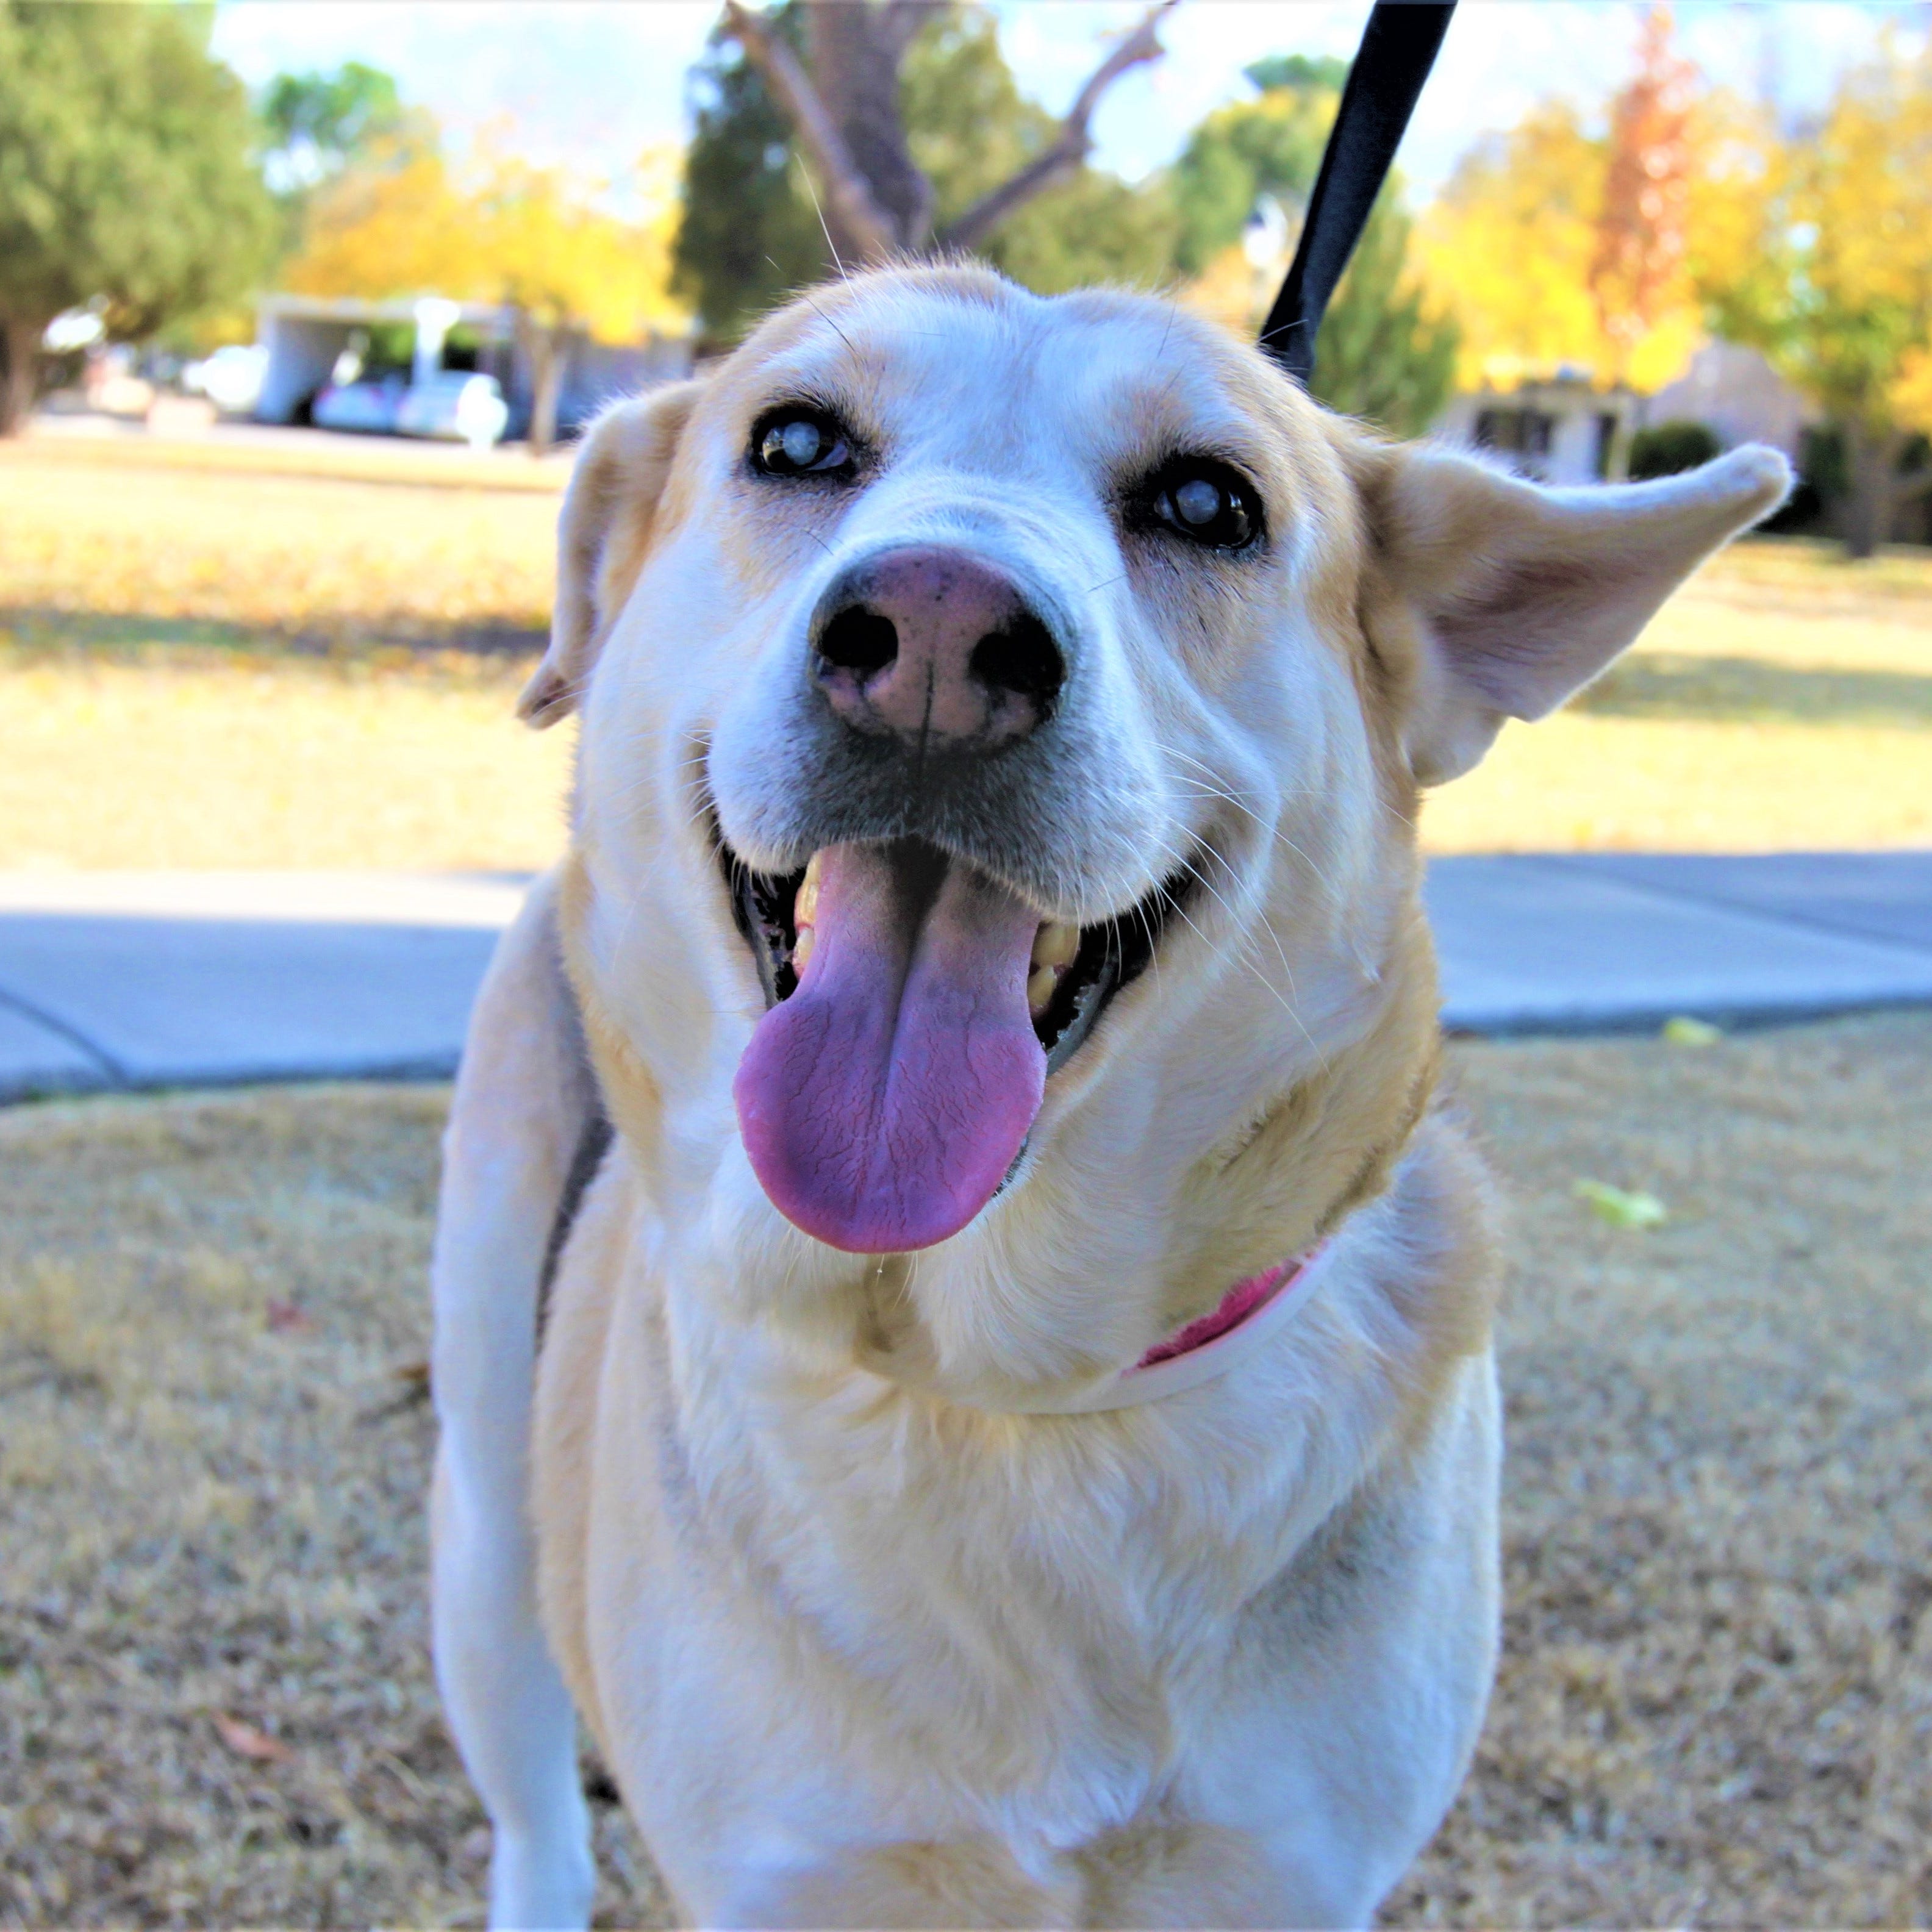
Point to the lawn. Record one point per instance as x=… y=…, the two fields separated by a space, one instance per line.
x=210 y=661
x=1716 y=1698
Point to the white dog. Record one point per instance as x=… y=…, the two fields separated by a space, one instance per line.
x=1012 y=1436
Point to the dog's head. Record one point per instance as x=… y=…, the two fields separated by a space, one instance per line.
x=1002 y=724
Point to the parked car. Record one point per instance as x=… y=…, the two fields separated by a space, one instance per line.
x=369 y=406
x=455 y=405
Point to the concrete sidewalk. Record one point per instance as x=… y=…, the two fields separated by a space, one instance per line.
x=117 y=981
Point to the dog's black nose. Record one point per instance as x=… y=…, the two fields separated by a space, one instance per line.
x=936 y=645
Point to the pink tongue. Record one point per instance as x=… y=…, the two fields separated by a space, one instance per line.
x=882 y=1103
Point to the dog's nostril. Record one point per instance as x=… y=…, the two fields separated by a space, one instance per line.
x=1021 y=656
x=859 y=641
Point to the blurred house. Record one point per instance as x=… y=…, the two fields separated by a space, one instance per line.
x=1564 y=429
x=310 y=341
x=1561 y=429
x=1737 y=395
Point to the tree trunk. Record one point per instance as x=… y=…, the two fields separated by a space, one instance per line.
x=550 y=357
x=845 y=114
x=855 y=51
x=1871 y=456
x=20 y=363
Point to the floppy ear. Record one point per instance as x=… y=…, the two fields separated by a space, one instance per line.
x=1514 y=596
x=602 y=538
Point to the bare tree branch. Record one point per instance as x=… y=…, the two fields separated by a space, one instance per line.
x=857 y=225
x=1069 y=147
x=902 y=19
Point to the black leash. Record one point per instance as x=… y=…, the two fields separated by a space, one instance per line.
x=1399 y=47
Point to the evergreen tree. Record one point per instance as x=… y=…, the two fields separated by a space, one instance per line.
x=749 y=234
x=1384 y=352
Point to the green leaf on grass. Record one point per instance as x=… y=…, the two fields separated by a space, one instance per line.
x=1621 y=1207
x=1685 y=1031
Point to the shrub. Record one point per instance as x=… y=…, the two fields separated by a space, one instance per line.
x=1667 y=448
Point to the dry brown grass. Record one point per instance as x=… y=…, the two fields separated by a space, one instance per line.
x=96 y=548
x=1782 y=699
x=372 y=459
x=212 y=1480
x=187 y=757
x=1716 y=1701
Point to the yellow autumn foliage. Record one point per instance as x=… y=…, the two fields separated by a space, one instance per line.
x=1859 y=212
x=1910 y=393
x=548 y=248
x=500 y=229
x=1510 y=244
x=394 y=228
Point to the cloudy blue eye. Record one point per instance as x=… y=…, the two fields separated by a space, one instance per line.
x=800 y=442
x=1205 y=501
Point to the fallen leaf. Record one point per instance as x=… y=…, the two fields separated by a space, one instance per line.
x=1622 y=1207
x=245 y=1741
x=289 y=1317
x=1685 y=1031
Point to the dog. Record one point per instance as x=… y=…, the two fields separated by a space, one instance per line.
x=1004 y=1431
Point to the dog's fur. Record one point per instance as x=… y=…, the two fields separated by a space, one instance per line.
x=862 y=1646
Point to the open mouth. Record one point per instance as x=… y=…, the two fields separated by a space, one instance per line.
x=1074 y=971
x=915 y=1008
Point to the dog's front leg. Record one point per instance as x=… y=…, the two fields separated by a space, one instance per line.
x=522 y=1100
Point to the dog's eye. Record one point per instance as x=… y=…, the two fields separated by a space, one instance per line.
x=1207 y=503
x=796 y=442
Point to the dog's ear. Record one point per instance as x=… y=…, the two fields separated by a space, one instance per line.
x=1513 y=596
x=602 y=537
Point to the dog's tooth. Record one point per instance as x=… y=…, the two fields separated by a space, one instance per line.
x=1040 y=983
x=802 y=952
x=1056 y=943
x=805 y=908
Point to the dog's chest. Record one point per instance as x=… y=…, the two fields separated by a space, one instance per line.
x=885 y=1613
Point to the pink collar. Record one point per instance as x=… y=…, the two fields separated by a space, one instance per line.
x=1249 y=1314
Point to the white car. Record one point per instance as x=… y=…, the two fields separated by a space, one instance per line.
x=454 y=406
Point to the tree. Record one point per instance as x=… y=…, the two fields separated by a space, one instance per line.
x=748 y=235
x=395 y=225
x=1248 y=149
x=885 y=127
x=567 y=268
x=539 y=241
x=1525 y=245
x=971 y=130
x=1822 y=256
x=1637 y=269
x=1562 y=251
x=1510 y=241
x=319 y=123
x=1386 y=351
x=126 y=179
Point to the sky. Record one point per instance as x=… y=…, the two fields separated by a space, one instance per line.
x=594 y=82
